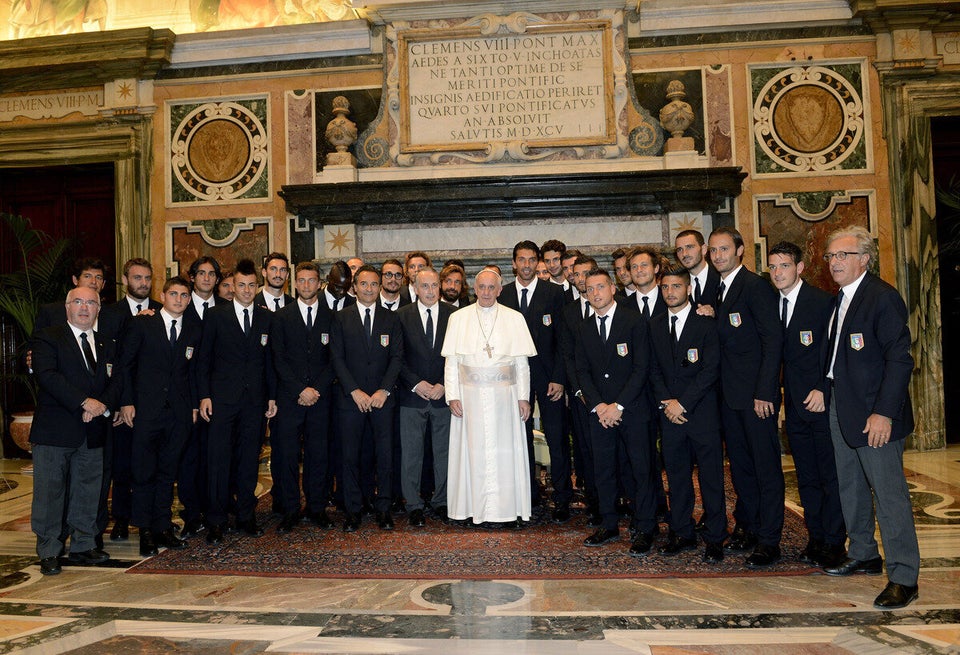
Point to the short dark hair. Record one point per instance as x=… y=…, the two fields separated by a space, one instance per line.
x=205 y=259
x=789 y=249
x=456 y=262
x=174 y=281
x=676 y=271
x=585 y=259
x=366 y=268
x=696 y=234
x=246 y=267
x=136 y=261
x=644 y=250
x=526 y=245
x=573 y=252
x=341 y=269
x=599 y=271
x=395 y=262
x=731 y=232
x=416 y=253
x=554 y=245
x=275 y=255
x=308 y=265
x=88 y=264
x=450 y=269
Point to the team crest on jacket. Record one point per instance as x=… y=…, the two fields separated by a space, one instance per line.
x=693 y=355
x=622 y=349
x=856 y=340
x=547 y=320
x=263 y=340
x=324 y=338
x=384 y=340
x=735 y=320
x=806 y=337
x=188 y=353
x=109 y=370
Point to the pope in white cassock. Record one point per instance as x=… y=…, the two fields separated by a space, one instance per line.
x=487 y=383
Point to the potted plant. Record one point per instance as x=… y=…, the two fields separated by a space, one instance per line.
x=39 y=276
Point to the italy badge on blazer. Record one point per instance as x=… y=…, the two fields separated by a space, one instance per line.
x=735 y=319
x=263 y=339
x=385 y=340
x=622 y=349
x=324 y=338
x=188 y=353
x=109 y=370
x=547 y=320
x=856 y=341
x=806 y=337
x=693 y=355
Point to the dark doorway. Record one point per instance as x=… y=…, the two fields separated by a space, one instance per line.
x=946 y=168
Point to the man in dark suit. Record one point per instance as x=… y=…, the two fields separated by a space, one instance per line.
x=391 y=276
x=275 y=271
x=621 y=267
x=339 y=282
x=87 y=272
x=301 y=351
x=691 y=251
x=870 y=416
x=684 y=373
x=613 y=357
x=77 y=388
x=367 y=353
x=205 y=275
x=805 y=313
x=751 y=345
x=541 y=305
x=159 y=403
x=412 y=263
x=237 y=388
x=422 y=396
x=453 y=282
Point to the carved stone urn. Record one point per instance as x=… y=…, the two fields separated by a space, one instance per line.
x=341 y=134
x=676 y=116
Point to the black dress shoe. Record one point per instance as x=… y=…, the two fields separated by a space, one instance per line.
x=417 y=519
x=168 y=539
x=148 y=547
x=811 y=552
x=561 y=514
x=594 y=518
x=849 y=566
x=120 y=531
x=701 y=524
x=351 y=523
x=895 y=596
x=740 y=542
x=288 y=523
x=250 y=528
x=215 y=534
x=440 y=512
x=50 y=566
x=384 y=521
x=831 y=556
x=91 y=557
x=677 y=544
x=601 y=537
x=763 y=556
x=713 y=553
x=398 y=507
x=366 y=509
x=320 y=519
x=642 y=544
x=191 y=528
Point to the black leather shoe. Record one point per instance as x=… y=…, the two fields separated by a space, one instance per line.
x=763 y=556
x=642 y=544
x=91 y=557
x=677 y=544
x=191 y=528
x=168 y=539
x=384 y=521
x=120 y=531
x=831 y=556
x=215 y=534
x=351 y=523
x=320 y=519
x=288 y=523
x=701 y=524
x=366 y=509
x=417 y=519
x=594 y=519
x=250 y=528
x=811 y=552
x=148 y=547
x=561 y=514
x=50 y=566
x=713 y=553
x=849 y=566
x=895 y=596
x=740 y=541
x=398 y=507
x=440 y=513
x=601 y=537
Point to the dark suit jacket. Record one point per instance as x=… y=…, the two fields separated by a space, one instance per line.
x=154 y=374
x=51 y=313
x=115 y=317
x=805 y=348
x=232 y=363
x=191 y=314
x=403 y=300
x=872 y=371
x=570 y=320
x=64 y=382
x=708 y=295
x=693 y=374
x=615 y=371
x=262 y=300
x=751 y=342
x=659 y=307
x=302 y=358
x=421 y=360
x=368 y=364
x=348 y=300
x=544 y=307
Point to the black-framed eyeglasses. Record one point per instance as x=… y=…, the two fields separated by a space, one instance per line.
x=841 y=255
x=393 y=275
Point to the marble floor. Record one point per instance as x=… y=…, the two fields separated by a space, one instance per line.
x=101 y=611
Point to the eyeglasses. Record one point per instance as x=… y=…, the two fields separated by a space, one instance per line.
x=393 y=275
x=841 y=256
x=80 y=302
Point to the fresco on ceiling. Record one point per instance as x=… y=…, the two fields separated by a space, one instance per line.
x=30 y=18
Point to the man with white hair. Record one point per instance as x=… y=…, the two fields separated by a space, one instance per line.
x=487 y=386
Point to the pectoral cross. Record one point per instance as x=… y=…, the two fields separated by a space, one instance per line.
x=489 y=350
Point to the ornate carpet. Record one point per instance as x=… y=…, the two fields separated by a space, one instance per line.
x=438 y=551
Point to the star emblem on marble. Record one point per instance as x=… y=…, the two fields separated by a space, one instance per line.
x=907 y=44
x=688 y=222
x=338 y=241
x=125 y=90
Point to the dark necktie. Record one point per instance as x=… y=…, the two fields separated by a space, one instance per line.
x=696 y=290
x=368 y=323
x=783 y=313
x=336 y=301
x=88 y=357
x=173 y=334
x=139 y=308
x=720 y=291
x=429 y=328
x=246 y=321
x=603 y=329
x=389 y=305
x=523 y=301
x=276 y=304
x=673 y=334
x=586 y=310
x=309 y=317
x=646 y=308
x=205 y=305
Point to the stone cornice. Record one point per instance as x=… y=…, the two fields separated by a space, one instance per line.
x=83 y=60
x=889 y=15
x=659 y=17
x=387 y=11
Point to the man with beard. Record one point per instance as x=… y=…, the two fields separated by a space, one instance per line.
x=622 y=269
x=275 y=271
x=391 y=276
x=691 y=251
x=569 y=288
x=452 y=283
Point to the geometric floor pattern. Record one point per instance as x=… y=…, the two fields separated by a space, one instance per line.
x=105 y=611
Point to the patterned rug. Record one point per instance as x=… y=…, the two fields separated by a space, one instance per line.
x=540 y=550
